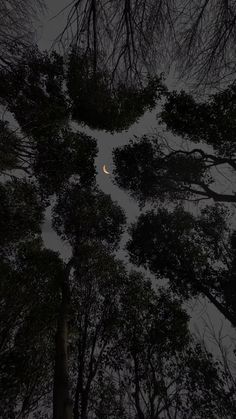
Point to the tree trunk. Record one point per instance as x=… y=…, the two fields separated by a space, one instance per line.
x=137 y=390
x=84 y=405
x=62 y=405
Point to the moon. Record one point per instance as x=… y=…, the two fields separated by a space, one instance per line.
x=105 y=170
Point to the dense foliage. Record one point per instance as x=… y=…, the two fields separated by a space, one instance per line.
x=88 y=337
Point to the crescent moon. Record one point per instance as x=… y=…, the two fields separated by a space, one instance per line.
x=105 y=170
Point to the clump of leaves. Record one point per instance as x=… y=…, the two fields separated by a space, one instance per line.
x=101 y=105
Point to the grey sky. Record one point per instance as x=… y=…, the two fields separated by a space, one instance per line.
x=48 y=31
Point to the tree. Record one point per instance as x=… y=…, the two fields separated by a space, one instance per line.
x=126 y=39
x=67 y=155
x=43 y=282
x=43 y=147
x=134 y=37
x=10 y=157
x=136 y=340
x=104 y=218
x=29 y=304
x=24 y=306
x=101 y=307
x=99 y=104
x=164 y=371
x=17 y=28
x=121 y=329
x=205 y=38
x=57 y=160
x=90 y=304
x=193 y=253
x=98 y=282
x=50 y=163
x=104 y=224
x=21 y=214
x=156 y=169
x=33 y=92
x=211 y=122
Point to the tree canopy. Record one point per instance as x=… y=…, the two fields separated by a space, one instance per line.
x=194 y=253
x=154 y=168
x=87 y=336
x=17 y=21
x=133 y=37
x=43 y=91
x=99 y=104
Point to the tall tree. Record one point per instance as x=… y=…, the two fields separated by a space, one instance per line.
x=29 y=304
x=210 y=121
x=99 y=280
x=134 y=37
x=28 y=295
x=123 y=38
x=194 y=253
x=135 y=340
x=100 y=104
x=21 y=214
x=34 y=91
x=49 y=163
x=204 y=51
x=91 y=301
x=104 y=224
x=155 y=168
x=17 y=21
x=162 y=366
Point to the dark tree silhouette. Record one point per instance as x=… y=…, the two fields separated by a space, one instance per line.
x=99 y=104
x=126 y=38
x=80 y=216
x=211 y=121
x=162 y=364
x=17 y=21
x=29 y=301
x=49 y=162
x=133 y=37
x=34 y=91
x=194 y=253
x=21 y=213
x=156 y=169
x=76 y=332
x=204 y=51
x=98 y=283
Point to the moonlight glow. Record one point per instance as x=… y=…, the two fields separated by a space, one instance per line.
x=105 y=170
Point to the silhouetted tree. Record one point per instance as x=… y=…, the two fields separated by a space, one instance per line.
x=211 y=122
x=17 y=23
x=156 y=169
x=204 y=51
x=21 y=213
x=135 y=340
x=193 y=253
x=132 y=37
x=74 y=330
x=99 y=104
x=126 y=39
x=99 y=280
x=104 y=224
x=33 y=92
x=49 y=162
x=163 y=371
x=29 y=304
